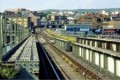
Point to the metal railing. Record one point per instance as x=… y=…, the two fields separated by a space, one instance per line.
x=103 y=36
x=10 y=36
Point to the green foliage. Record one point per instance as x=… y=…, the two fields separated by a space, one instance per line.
x=7 y=73
x=41 y=14
x=72 y=39
x=84 y=10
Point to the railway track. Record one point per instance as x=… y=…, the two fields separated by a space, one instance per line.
x=76 y=65
x=71 y=61
x=66 y=76
x=64 y=72
x=48 y=69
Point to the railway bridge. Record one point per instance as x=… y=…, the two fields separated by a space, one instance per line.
x=44 y=56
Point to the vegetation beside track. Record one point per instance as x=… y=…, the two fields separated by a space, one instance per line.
x=72 y=39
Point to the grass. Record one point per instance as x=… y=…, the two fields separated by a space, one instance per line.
x=72 y=39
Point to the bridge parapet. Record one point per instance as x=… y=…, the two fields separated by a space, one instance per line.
x=11 y=34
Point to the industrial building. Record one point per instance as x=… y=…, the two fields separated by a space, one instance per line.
x=76 y=29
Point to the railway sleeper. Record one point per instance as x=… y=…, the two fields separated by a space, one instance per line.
x=55 y=50
x=90 y=75
x=58 y=53
x=70 y=63
x=63 y=56
x=86 y=75
x=66 y=59
x=96 y=77
x=75 y=67
x=88 y=72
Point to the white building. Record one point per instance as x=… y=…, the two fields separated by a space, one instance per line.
x=116 y=12
x=104 y=12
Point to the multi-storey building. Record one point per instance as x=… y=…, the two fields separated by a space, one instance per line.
x=58 y=18
x=16 y=10
x=23 y=13
x=24 y=21
x=35 y=19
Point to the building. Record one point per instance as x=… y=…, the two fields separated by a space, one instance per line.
x=111 y=27
x=24 y=21
x=78 y=29
x=16 y=10
x=104 y=12
x=59 y=18
x=64 y=17
x=95 y=19
x=43 y=21
x=35 y=19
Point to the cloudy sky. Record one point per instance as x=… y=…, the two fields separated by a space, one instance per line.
x=58 y=4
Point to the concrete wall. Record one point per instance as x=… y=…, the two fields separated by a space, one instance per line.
x=99 y=60
x=65 y=45
x=113 y=46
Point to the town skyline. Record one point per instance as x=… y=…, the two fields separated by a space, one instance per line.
x=59 y=40
x=59 y=4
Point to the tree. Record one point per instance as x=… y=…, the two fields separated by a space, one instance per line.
x=41 y=14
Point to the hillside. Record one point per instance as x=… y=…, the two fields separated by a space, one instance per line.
x=83 y=10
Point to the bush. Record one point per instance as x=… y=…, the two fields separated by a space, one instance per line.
x=72 y=39
x=7 y=73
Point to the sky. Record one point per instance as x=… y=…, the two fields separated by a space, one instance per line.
x=58 y=4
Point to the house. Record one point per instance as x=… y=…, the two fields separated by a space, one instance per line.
x=111 y=27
